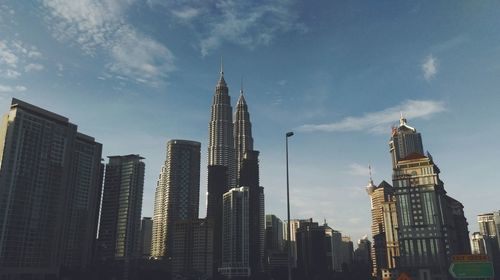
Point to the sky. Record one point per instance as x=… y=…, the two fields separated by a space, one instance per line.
x=135 y=74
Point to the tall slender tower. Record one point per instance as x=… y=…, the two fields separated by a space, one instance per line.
x=177 y=193
x=220 y=129
x=119 y=231
x=243 y=140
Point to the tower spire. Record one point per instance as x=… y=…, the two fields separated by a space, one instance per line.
x=370 y=170
x=221 y=67
x=241 y=85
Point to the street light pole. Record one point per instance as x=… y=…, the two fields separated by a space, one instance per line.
x=288 y=134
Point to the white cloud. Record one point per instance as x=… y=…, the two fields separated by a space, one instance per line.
x=238 y=22
x=357 y=169
x=33 y=67
x=99 y=26
x=379 y=122
x=429 y=67
x=12 y=74
x=11 y=89
x=7 y=56
x=186 y=13
x=16 y=55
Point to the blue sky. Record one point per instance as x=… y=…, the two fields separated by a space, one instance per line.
x=135 y=74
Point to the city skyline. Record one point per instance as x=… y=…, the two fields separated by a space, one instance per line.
x=338 y=82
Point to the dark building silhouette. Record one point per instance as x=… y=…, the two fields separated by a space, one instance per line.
x=192 y=249
x=249 y=177
x=217 y=184
x=50 y=186
x=146 y=235
x=119 y=232
x=311 y=251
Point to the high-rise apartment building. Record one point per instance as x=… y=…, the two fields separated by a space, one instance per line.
x=427 y=231
x=119 y=231
x=235 y=239
x=220 y=131
x=50 y=186
x=177 y=193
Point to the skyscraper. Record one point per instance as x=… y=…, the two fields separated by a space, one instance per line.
x=146 y=235
x=177 y=193
x=274 y=233
x=426 y=229
x=405 y=141
x=50 y=185
x=378 y=195
x=235 y=241
x=489 y=228
x=119 y=232
x=243 y=140
x=217 y=184
x=249 y=177
x=220 y=130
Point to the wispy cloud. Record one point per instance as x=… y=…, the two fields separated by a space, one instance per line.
x=15 y=55
x=33 y=67
x=239 y=22
x=99 y=26
x=379 y=122
x=429 y=67
x=11 y=89
x=357 y=169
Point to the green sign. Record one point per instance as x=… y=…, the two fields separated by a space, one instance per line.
x=461 y=270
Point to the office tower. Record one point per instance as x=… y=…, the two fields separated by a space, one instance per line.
x=50 y=184
x=347 y=251
x=391 y=234
x=192 y=249
x=178 y=192
x=243 y=140
x=311 y=251
x=477 y=244
x=425 y=228
x=362 y=259
x=119 y=232
x=146 y=235
x=220 y=131
x=332 y=238
x=336 y=240
x=249 y=177
x=217 y=184
x=291 y=241
x=488 y=228
x=235 y=239
x=378 y=195
x=405 y=141
x=274 y=233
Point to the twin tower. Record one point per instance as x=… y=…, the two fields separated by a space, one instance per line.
x=235 y=200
